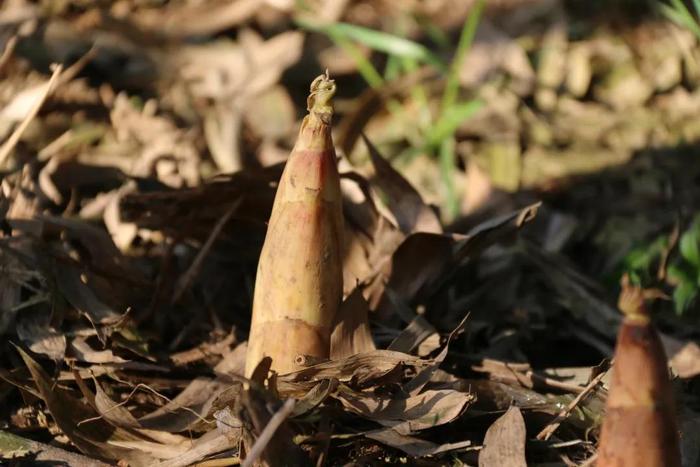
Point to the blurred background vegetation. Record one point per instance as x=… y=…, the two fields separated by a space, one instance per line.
x=483 y=106
x=141 y=142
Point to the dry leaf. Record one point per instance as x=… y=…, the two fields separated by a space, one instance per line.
x=95 y=437
x=686 y=362
x=83 y=352
x=183 y=20
x=35 y=330
x=351 y=334
x=493 y=50
x=405 y=203
x=411 y=445
x=504 y=444
x=199 y=399
x=406 y=415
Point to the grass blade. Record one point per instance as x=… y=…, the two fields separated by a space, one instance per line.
x=364 y=66
x=447 y=170
x=377 y=40
x=679 y=14
x=465 y=42
x=451 y=119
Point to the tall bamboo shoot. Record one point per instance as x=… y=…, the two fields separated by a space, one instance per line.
x=298 y=287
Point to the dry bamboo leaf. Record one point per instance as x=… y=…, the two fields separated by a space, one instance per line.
x=186 y=410
x=418 y=329
x=411 y=445
x=14 y=449
x=22 y=204
x=351 y=334
x=439 y=255
x=362 y=368
x=406 y=415
x=37 y=96
x=123 y=233
x=82 y=297
x=686 y=362
x=199 y=399
x=279 y=448
x=405 y=203
x=35 y=330
x=160 y=444
x=241 y=71
x=494 y=50
x=100 y=252
x=425 y=375
x=315 y=397
x=209 y=444
x=271 y=113
x=504 y=444
x=83 y=352
x=95 y=437
x=222 y=126
x=183 y=20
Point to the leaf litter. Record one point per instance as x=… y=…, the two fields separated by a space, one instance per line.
x=135 y=204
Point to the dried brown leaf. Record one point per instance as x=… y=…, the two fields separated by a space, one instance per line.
x=199 y=399
x=411 y=445
x=95 y=438
x=494 y=50
x=35 y=330
x=271 y=113
x=406 y=415
x=81 y=296
x=83 y=352
x=14 y=448
x=361 y=368
x=351 y=334
x=209 y=444
x=279 y=448
x=686 y=362
x=439 y=255
x=183 y=20
x=504 y=444
x=405 y=203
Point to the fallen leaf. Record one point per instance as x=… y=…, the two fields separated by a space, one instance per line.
x=686 y=361
x=83 y=352
x=504 y=444
x=95 y=437
x=411 y=445
x=35 y=330
x=361 y=368
x=199 y=399
x=406 y=415
x=405 y=203
x=351 y=334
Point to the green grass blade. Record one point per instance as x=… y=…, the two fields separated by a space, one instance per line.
x=377 y=40
x=368 y=72
x=696 y=6
x=465 y=42
x=392 y=70
x=447 y=171
x=680 y=15
x=450 y=120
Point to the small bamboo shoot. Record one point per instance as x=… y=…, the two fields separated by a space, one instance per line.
x=640 y=427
